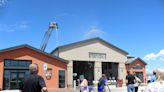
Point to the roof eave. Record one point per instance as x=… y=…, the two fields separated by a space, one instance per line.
x=96 y=38
x=35 y=49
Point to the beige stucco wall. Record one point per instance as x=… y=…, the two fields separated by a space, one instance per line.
x=81 y=53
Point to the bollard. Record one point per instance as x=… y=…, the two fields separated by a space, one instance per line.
x=74 y=85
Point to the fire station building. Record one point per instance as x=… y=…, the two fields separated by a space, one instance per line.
x=93 y=57
x=89 y=58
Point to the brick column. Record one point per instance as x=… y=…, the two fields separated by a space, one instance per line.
x=97 y=70
x=70 y=73
x=122 y=72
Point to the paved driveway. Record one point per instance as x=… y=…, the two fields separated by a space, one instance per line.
x=113 y=89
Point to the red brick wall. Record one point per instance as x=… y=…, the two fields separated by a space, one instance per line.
x=136 y=62
x=36 y=57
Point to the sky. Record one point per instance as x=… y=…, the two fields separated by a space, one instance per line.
x=136 y=26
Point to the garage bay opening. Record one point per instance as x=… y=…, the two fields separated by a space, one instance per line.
x=83 y=68
x=110 y=70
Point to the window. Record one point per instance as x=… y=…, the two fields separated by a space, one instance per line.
x=6 y=79
x=17 y=63
x=61 y=79
x=137 y=67
x=7 y=63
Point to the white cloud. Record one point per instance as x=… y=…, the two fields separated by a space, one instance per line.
x=148 y=70
x=94 y=32
x=155 y=56
x=23 y=26
x=3 y=2
x=13 y=27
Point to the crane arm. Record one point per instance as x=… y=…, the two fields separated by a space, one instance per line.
x=47 y=35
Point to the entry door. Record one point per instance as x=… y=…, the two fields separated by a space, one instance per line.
x=15 y=79
x=14 y=72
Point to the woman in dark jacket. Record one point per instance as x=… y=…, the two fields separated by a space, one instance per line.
x=101 y=83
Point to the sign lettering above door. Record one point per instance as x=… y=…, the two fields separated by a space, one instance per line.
x=97 y=55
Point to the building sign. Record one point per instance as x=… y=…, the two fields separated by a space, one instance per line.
x=97 y=55
x=45 y=66
x=48 y=73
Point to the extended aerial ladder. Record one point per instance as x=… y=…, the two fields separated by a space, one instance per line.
x=52 y=26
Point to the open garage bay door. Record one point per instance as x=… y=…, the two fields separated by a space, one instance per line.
x=83 y=68
x=110 y=70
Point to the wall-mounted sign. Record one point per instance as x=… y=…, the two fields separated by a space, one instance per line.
x=49 y=73
x=97 y=55
x=45 y=66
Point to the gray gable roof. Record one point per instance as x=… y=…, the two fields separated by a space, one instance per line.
x=35 y=49
x=131 y=60
x=89 y=40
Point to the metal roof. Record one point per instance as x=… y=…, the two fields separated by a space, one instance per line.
x=131 y=60
x=35 y=49
x=88 y=40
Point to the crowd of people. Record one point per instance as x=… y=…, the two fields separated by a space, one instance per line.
x=132 y=82
x=155 y=84
x=85 y=88
x=35 y=83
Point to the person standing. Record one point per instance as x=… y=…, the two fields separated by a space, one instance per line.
x=33 y=82
x=153 y=78
x=101 y=83
x=158 y=85
x=83 y=84
x=130 y=82
x=137 y=82
x=90 y=85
